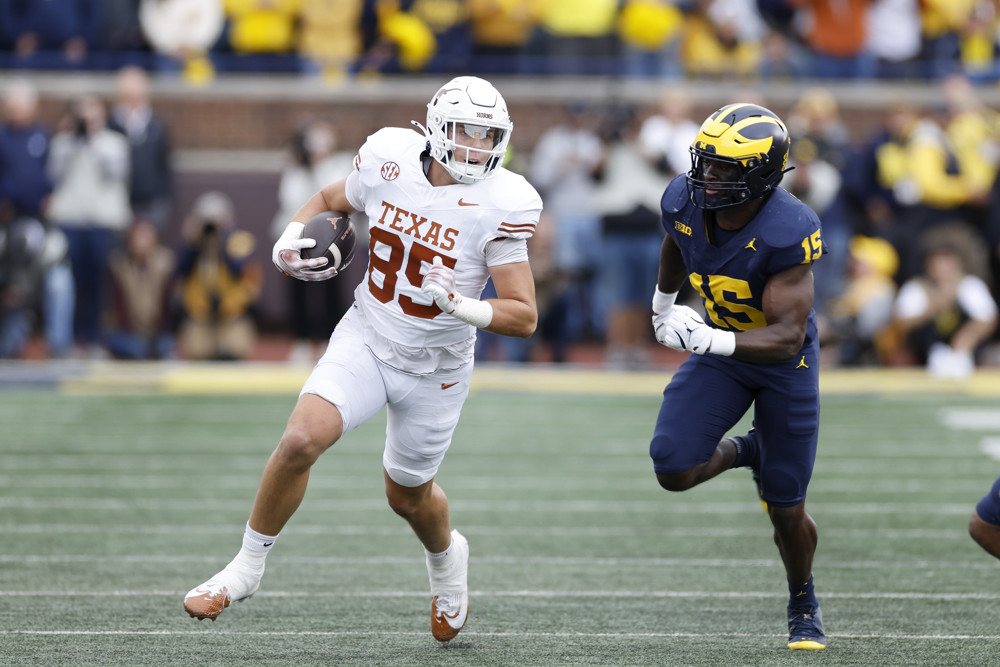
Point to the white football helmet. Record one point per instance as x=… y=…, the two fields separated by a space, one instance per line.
x=474 y=102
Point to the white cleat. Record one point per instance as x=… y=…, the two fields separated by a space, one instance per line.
x=450 y=590
x=232 y=584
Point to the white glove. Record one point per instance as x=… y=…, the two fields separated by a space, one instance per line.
x=683 y=329
x=662 y=303
x=287 y=256
x=439 y=282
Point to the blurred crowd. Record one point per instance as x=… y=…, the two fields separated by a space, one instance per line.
x=910 y=215
x=87 y=266
x=662 y=38
x=911 y=226
x=83 y=213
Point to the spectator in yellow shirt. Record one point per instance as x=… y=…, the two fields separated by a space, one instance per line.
x=501 y=32
x=578 y=36
x=262 y=26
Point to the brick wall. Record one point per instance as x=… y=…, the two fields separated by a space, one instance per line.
x=260 y=114
x=253 y=116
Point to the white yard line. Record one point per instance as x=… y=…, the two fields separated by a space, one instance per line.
x=985 y=564
x=970 y=419
x=528 y=594
x=519 y=531
x=738 y=482
x=991 y=447
x=473 y=633
x=492 y=506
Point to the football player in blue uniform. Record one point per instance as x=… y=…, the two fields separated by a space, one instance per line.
x=984 y=525
x=747 y=248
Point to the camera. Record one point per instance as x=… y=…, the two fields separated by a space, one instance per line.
x=209 y=228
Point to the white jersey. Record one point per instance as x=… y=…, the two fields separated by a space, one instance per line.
x=411 y=222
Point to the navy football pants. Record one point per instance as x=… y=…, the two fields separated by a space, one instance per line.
x=709 y=394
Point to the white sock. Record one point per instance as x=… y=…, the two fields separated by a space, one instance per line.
x=254 y=541
x=255 y=548
x=440 y=557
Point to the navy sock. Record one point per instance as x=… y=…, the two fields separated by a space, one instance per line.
x=802 y=595
x=747 y=451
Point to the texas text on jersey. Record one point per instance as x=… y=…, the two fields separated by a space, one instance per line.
x=413 y=221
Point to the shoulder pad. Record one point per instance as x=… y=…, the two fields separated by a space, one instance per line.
x=675 y=197
x=786 y=220
x=389 y=143
x=522 y=205
x=513 y=191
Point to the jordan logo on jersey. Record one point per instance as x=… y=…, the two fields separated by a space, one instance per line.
x=418 y=226
x=802 y=363
x=750 y=245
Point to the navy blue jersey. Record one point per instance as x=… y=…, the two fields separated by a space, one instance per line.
x=709 y=394
x=730 y=277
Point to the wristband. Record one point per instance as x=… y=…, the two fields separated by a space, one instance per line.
x=663 y=301
x=723 y=343
x=473 y=311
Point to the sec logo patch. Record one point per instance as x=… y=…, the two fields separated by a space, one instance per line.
x=390 y=170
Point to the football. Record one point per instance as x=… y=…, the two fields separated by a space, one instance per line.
x=335 y=238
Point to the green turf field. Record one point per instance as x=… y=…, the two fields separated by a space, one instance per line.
x=113 y=506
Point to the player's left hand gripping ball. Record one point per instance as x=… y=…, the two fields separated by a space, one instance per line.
x=439 y=282
x=287 y=255
x=316 y=250
x=684 y=330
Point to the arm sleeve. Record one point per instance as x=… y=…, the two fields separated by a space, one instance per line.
x=521 y=220
x=354 y=188
x=785 y=258
x=799 y=241
x=506 y=251
x=355 y=193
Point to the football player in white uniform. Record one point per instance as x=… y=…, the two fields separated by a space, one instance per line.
x=444 y=217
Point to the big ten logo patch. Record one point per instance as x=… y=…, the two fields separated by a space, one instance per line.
x=390 y=170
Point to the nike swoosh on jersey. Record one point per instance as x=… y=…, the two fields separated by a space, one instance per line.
x=448 y=386
x=462 y=202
